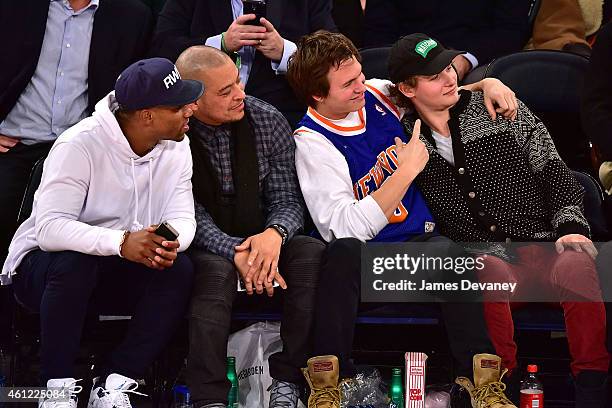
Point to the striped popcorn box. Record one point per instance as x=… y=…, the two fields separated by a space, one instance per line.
x=415 y=379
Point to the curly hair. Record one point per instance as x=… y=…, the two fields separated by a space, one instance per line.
x=398 y=97
x=316 y=54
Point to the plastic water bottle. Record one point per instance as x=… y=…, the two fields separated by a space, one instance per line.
x=532 y=392
x=396 y=388
x=232 y=397
x=182 y=397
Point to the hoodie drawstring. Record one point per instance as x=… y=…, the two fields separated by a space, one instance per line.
x=135 y=223
x=150 y=188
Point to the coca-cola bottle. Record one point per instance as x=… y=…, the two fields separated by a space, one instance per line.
x=532 y=392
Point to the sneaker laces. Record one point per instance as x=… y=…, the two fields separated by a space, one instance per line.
x=492 y=392
x=119 y=397
x=284 y=394
x=61 y=401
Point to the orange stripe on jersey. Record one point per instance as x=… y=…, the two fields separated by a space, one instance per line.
x=336 y=127
x=382 y=96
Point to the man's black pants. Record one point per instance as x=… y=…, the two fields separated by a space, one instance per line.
x=338 y=297
x=62 y=286
x=214 y=292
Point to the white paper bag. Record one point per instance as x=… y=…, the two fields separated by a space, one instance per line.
x=252 y=347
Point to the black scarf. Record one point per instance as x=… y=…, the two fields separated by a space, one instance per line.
x=238 y=214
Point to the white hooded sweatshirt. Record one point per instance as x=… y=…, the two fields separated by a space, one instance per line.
x=94 y=187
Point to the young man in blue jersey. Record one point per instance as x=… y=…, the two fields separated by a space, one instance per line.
x=347 y=146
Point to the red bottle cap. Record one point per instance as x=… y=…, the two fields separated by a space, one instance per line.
x=532 y=368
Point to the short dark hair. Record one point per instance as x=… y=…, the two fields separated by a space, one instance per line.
x=316 y=54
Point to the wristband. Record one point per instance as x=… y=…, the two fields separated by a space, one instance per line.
x=123 y=238
x=233 y=55
x=282 y=231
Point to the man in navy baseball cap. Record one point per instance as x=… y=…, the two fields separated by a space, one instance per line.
x=154 y=103
x=108 y=182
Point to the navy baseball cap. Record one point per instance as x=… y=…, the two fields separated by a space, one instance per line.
x=418 y=54
x=154 y=82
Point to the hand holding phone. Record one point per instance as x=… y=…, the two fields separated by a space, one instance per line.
x=166 y=231
x=257 y=7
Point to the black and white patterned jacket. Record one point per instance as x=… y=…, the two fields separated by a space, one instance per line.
x=508 y=182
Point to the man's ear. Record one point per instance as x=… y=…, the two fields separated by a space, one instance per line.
x=145 y=116
x=406 y=90
x=317 y=98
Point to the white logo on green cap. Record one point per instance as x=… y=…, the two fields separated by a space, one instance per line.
x=423 y=47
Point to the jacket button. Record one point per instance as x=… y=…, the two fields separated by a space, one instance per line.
x=461 y=170
x=493 y=228
x=472 y=194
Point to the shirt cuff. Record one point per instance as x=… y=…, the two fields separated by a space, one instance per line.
x=373 y=213
x=280 y=67
x=214 y=41
x=473 y=60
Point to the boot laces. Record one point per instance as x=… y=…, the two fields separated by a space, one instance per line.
x=492 y=393
x=324 y=395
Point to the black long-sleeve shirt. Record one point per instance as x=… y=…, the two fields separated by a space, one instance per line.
x=597 y=95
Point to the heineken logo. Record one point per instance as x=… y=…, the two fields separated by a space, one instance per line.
x=423 y=47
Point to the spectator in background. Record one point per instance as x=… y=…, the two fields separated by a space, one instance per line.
x=64 y=57
x=597 y=103
x=486 y=29
x=263 y=48
x=348 y=16
x=561 y=25
x=155 y=6
x=248 y=211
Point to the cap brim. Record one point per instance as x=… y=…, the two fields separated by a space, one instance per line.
x=441 y=61
x=190 y=92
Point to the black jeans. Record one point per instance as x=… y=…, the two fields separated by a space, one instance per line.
x=338 y=296
x=62 y=285
x=214 y=292
x=15 y=168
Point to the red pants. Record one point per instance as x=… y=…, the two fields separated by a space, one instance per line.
x=544 y=269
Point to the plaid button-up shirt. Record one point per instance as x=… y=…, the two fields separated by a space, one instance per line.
x=278 y=183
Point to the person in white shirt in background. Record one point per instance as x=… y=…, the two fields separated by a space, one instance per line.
x=90 y=241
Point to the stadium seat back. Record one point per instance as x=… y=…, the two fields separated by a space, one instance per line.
x=28 y=198
x=549 y=83
x=374 y=62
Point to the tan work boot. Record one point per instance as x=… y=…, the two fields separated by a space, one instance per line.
x=322 y=377
x=488 y=388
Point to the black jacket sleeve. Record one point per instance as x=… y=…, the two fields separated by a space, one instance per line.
x=597 y=95
x=173 y=32
x=487 y=29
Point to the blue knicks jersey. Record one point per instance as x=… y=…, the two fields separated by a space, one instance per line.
x=371 y=158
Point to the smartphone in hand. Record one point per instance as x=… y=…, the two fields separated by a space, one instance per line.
x=167 y=231
x=257 y=7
